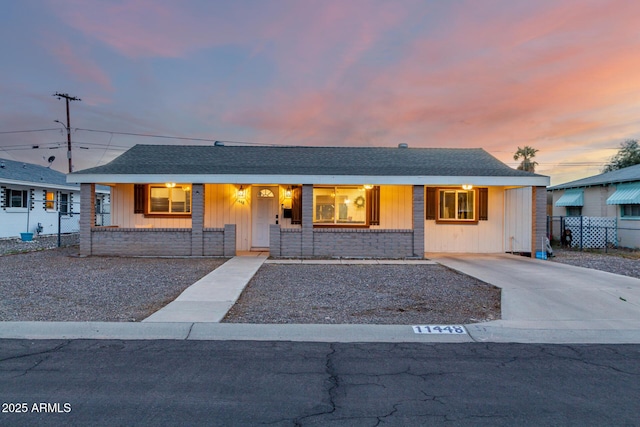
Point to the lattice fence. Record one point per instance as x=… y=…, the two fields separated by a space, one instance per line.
x=591 y=232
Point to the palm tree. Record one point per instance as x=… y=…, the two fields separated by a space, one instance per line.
x=527 y=153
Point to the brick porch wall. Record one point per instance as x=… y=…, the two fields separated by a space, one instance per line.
x=341 y=242
x=114 y=241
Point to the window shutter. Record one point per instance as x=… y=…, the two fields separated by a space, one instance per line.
x=373 y=205
x=483 y=204
x=430 y=202
x=296 y=205
x=4 y=197
x=139 y=198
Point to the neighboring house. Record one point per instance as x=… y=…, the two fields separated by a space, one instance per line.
x=614 y=195
x=32 y=197
x=313 y=202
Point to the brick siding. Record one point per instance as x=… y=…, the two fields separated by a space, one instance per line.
x=114 y=241
x=342 y=243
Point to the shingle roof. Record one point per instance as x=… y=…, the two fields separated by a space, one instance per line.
x=28 y=172
x=630 y=174
x=346 y=161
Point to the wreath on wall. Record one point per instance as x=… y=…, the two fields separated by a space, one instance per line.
x=359 y=202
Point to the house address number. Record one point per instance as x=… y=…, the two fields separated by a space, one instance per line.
x=440 y=329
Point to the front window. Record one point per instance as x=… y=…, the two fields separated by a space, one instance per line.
x=456 y=205
x=17 y=198
x=574 y=210
x=339 y=205
x=627 y=211
x=174 y=199
x=50 y=200
x=64 y=203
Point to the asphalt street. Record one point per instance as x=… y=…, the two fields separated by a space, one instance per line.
x=221 y=383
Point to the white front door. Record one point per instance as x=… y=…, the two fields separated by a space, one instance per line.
x=265 y=209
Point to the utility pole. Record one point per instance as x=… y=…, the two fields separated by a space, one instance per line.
x=68 y=98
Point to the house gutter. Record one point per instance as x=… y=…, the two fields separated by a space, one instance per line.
x=536 y=181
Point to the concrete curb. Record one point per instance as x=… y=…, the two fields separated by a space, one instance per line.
x=220 y=332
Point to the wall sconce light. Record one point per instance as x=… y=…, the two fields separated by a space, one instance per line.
x=368 y=186
x=170 y=184
x=241 y=193
x=287 y=193
x=467 y=186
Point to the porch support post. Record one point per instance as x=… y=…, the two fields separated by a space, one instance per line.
x=274 y=240
x=538 y=219
x=418 y=221
x=307 y=220
x=87 y=217
x=229 y=240
x=197 y=220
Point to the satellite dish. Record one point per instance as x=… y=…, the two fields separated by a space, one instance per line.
x=51 y=159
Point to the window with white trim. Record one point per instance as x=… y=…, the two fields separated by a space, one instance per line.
x=456 y=205
x=574 y=210
x=170 y=200
x=17 y=198
x=50 y=200
x=340 y=205
x=630 y=211
x=64 y=203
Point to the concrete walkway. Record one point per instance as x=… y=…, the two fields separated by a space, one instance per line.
x=545 y=301
x=210 y=298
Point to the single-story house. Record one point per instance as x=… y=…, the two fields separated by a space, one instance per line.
x=32 y=197
x=614 y=195
x=313 y=202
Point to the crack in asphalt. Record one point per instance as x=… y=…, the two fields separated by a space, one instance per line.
x=45 y=353
x=580 y=358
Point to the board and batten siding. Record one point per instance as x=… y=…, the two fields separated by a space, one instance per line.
x=395 y=207
x=122 y=212
x=518 y=204
x=222 y=207
x=483 y=237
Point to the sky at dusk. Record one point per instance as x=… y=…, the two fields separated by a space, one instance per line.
x=561 y=76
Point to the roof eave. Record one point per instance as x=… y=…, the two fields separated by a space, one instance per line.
x=534 y=180
x=40 y=184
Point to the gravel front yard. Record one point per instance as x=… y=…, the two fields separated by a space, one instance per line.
x=364 y=294
x=57 y=285
x=615 y=261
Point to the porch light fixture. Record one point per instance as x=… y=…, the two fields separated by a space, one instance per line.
x=241 y=193
x=287 y=193
x=368 y=186
x=170 y=184
x=467 y=186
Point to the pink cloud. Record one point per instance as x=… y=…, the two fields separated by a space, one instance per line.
x=76 y=61
x=491 y=74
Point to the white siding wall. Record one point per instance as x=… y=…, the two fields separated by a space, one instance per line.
x=13 y=221
x=483 y=237
x=595 y=202
x=518 y=220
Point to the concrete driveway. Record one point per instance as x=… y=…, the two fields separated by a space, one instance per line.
x=545 y=299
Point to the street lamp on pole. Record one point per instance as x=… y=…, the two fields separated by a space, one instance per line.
x=68 y=144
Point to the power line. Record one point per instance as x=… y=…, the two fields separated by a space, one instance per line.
x=183 y=138
x=27 y=131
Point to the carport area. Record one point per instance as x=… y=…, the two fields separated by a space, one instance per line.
x=544 y=301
